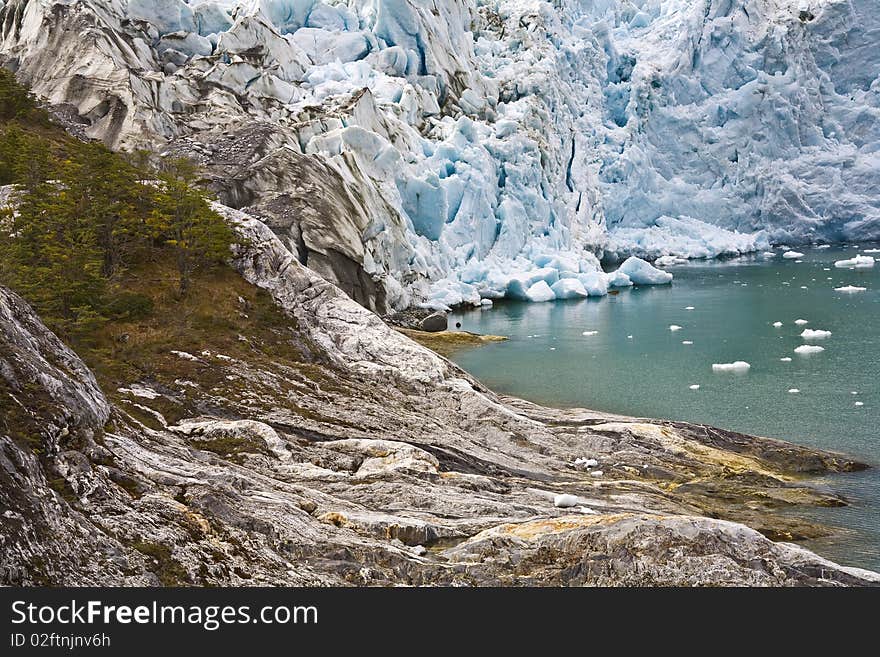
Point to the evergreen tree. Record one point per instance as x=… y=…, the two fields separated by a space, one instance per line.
x=184 y=221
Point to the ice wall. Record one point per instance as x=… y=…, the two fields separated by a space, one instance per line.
x=450 y=150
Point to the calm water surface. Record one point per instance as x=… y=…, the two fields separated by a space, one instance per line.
x=636 y=365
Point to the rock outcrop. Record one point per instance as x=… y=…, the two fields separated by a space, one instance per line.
x=362 y=458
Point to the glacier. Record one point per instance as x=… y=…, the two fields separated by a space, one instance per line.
x=450 y=152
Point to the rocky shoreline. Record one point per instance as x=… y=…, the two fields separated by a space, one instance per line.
x=339 y=452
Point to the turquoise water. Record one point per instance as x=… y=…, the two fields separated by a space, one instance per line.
x=636 y=365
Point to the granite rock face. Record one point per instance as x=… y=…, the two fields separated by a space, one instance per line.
x=376 y=462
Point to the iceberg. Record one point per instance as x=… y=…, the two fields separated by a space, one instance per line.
x=539 y=293
x=739 y=366
x=859 y=262
x=849 y=289
x=808 y=349
x=792 y=255
x=568 y=288
x=644 y=273
x=817 y=334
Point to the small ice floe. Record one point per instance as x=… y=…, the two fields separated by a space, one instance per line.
x=667 y=260
x=736 y=366
x=871 y=251
x=801 y=322
x=786 y=359
x=690 y=308
x=565 y=501
x=854 y=392
x=585 y=463
x=793 y=391
x=807 y=349
x=850 y=289
x=184 y=355
x=486 y=304
x=859 y=262
x=629 y=337
x=596 y=473
x=815 y=334
x=792 y=255
x=777 y=324
x=674 y=327
x=589 y=333
x=695 y=387
x=859 y=404
x=687 y=342
x=822 y=246
x=552 y=348
x=804 y=287
x=769 y=254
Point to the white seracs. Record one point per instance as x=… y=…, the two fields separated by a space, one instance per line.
x=485 y=140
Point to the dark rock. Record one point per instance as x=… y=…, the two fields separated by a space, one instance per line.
x=434 y=323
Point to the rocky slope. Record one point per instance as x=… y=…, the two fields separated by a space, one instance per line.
x=411 y=151
x=333 y=450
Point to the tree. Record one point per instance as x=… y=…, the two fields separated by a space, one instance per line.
x=184 y=221
x=112 y=192
x=51 y=255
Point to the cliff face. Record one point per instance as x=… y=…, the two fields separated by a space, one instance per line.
x=437 y=150
x=333 y=450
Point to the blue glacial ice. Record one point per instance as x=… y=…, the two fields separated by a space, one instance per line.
x=508 y=147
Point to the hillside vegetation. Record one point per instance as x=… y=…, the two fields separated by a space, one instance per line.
x=81 y=224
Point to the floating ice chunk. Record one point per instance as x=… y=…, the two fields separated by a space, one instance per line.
x=808 y=349
x=669 y=260
x=792 y=255
x=689 y=308
x=569 y=288
x=674 y=327
x=519 y=284
x=822 y=246
x=801 y=322
x=786 y=359
x=695 y=387
x=618 y=279
x=589 y=333
x=629 y=337
x=849 y=289
x=777 y=324
x=687 y=342
x=595 y=283
x=486 y=303
x=644 y=273
x=596 y=473
x=871 y=251
x=769 y=254
x=859 y=262
x=565 y=501
x=793 y=391
x=736 y=366
x=815 y=334
x=540 y=292
x=859 y=404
